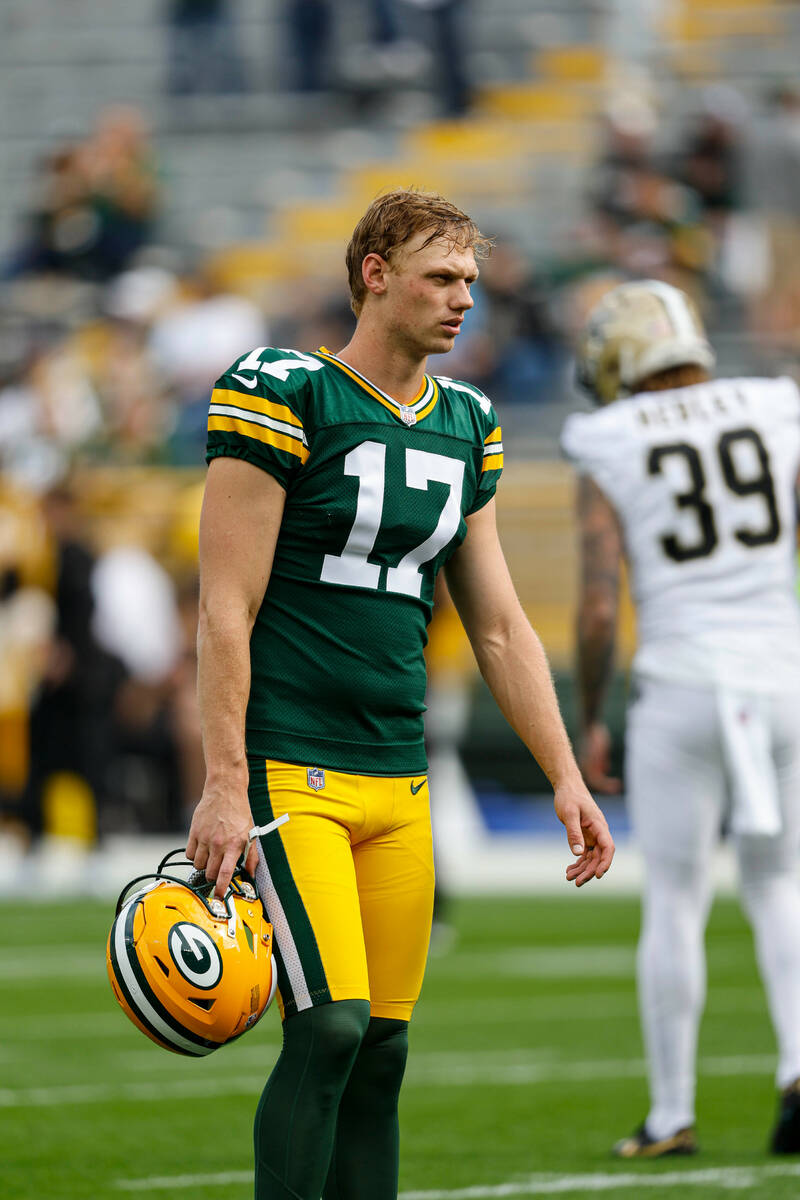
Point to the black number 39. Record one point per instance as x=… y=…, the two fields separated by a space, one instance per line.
x=695 y=500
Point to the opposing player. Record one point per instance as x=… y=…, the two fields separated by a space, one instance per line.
x=693 y=480
x=339 y=484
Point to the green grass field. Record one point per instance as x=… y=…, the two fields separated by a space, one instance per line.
x=525 y=1067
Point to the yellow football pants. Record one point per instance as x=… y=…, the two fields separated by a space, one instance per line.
x=347 y=883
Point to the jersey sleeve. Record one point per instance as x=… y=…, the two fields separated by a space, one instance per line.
x=259 y=417
x=492 y=461
x=789 y=399
x=591 y=443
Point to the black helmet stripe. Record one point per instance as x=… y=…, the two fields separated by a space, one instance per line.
x=141 y=997
x=134 y=1004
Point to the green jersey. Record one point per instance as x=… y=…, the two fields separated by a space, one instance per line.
x=376 y=496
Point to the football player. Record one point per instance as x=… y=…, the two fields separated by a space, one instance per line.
x=693 y=480
x=339 y=485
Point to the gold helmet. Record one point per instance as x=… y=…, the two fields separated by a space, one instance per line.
x=636 y=330
x=190 y=970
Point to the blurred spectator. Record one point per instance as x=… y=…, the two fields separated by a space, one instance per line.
x=27 y=617
x=136 y=619
x=446 y=39
x=183 y=711
x=71 y=715
x=48 y=414
x=389 y=57
x=309 y=25
x=95 y=203
x=310 y=28
x=137 y=405
x=649 y=222
x=203 y=49
x=191 y=344
x=527 y=350
x=774 y=154
x=60 y=226
x=123 y=188
x=710 y=157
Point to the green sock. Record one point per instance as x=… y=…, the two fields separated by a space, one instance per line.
x=366 y=1155
x=295 y=1123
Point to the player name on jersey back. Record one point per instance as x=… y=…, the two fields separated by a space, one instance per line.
x=703 y=481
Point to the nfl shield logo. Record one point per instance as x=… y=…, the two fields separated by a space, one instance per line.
x=316 y=778
x=407 y=415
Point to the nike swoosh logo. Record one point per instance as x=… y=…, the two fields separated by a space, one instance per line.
x=248 y=383
x=414 y=790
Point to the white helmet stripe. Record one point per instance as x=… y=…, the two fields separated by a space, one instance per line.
x=140 y=1003
x=677 y=308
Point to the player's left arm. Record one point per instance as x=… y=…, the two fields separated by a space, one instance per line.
x=598 y=602
x=512 y=660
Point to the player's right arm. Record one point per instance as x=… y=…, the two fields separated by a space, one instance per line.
x=239 y=525
x=600 y=563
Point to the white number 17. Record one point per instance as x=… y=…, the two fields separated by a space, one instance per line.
x=368 y=463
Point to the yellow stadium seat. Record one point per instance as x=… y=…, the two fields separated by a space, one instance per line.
x=533 y=102
x=236 y=267
x=580 y=64
x=331 y=222
x=365 y=183
x=485 y=140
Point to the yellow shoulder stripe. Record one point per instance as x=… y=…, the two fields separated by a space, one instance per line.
x=495 y=436
x=269 y=408
x=259 y=433
x=492 y=462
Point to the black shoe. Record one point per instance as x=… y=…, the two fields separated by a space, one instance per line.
x=641 y=1145
x=786 y=1134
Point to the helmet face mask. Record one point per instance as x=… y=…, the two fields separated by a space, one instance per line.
x=192 y=972
x=637 y=330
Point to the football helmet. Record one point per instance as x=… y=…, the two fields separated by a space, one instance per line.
x=190 y=970
x=636 y=330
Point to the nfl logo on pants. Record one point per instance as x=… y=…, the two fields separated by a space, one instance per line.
x=316 y=778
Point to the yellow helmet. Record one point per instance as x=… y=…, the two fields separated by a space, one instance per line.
x=190 y=970
x=636 y=330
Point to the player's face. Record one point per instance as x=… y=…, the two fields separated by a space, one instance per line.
x=428 y=294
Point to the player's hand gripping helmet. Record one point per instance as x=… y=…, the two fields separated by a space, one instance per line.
x=190 y=970
x=636 y=330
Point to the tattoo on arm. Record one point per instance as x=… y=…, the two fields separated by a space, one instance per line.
x=601 y=556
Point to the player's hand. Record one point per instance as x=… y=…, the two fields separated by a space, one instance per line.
x=219 y=833
x=587 y=832
x=594 y=758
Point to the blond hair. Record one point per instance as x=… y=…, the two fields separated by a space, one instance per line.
x=393 y=219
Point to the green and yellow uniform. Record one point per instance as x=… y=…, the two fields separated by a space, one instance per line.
x=377 y=495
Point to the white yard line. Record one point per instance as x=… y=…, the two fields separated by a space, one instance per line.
x=83 y=965
x=732 y=1178
x=611 y=961
x=431 y=1011
x=63 y=1026
x=487 y=1068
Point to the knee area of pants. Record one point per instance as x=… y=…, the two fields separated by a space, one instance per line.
x=339 y=1030
x=383 y=1054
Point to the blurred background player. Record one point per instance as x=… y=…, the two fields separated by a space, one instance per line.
x=693 y=481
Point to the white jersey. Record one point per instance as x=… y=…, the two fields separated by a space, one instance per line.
x=703 y=481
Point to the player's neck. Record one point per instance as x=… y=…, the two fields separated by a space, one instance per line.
x=394 y=371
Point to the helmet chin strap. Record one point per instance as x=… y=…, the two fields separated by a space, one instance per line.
x=260 y=830
x=256 y=832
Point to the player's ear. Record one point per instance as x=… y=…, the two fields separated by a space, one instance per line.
x=373 y=271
